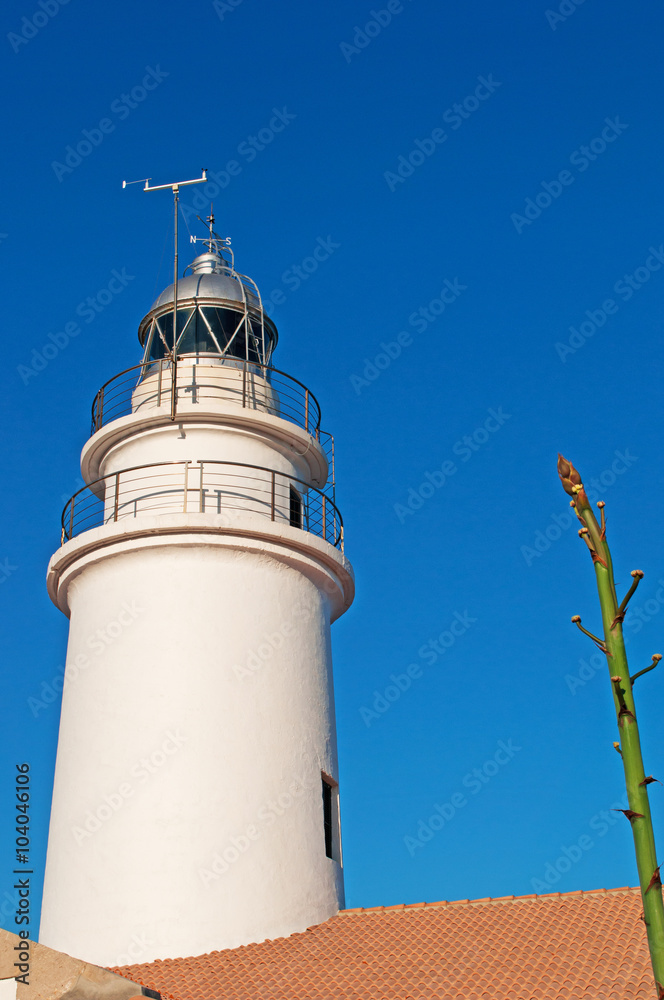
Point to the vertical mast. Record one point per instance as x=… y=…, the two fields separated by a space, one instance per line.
x=175 y=188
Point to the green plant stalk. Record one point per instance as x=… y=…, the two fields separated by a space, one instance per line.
x=630 y=744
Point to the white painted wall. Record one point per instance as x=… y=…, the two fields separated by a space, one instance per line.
x=208 y=657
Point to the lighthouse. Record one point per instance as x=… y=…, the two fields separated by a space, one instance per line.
x=196 y=792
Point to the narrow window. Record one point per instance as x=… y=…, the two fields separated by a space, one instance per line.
x=327 y=817
x=331 y=828
x=295 y=508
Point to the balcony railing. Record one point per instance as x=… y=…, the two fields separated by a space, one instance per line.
x=206 y=488
x=201 y=379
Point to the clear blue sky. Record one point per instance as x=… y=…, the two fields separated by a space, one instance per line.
x=532 y=207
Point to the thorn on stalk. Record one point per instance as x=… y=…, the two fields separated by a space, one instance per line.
x=616 y=747
x=655 y=880
x=620 y=695
x=629 y=813
x=623 y=712
x=583 y=533
x=649 y=780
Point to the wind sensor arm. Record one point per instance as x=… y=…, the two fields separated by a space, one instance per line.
x=175 y=188
x=164 y=187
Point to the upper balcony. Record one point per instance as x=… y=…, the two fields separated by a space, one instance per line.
x=199 y=383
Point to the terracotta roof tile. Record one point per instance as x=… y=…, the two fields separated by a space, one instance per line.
x=572 y=946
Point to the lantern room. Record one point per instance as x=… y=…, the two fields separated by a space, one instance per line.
x=219 y=315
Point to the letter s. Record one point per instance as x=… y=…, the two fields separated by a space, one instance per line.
x=462 y=451
x=85 y=312
x=418 y=322
x=291 y=280
x=246 y=150
x=427 y=653
x=474 y=784
x=266 y=815
x=120 y=109
x=599 y=826
x=577 y=160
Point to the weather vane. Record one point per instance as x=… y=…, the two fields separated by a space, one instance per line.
x=214 y=242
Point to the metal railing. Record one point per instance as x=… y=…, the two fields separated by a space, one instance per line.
x=200 y=379
x=202 y=487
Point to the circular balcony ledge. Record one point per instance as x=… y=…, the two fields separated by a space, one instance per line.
x=324 y=564
x=287 y=436
x=209 y=378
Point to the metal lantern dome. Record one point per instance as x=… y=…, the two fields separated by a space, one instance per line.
x=219 y=314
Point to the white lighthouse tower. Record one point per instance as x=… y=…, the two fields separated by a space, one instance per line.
x=195 y=804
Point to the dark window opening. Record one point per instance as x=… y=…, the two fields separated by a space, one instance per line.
x=295 y=508
x=161 y=341
x=327 y=817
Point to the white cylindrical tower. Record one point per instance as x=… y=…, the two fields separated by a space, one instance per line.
x=195 y=804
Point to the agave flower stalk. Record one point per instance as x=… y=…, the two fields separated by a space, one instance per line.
x=613 y=646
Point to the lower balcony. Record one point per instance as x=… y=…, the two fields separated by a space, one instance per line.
x=203 y=487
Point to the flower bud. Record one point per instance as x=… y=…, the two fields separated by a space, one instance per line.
x=569 y=477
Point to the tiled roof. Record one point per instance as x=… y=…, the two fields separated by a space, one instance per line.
x=572 y=946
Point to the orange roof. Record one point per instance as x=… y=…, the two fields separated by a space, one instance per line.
x=572 y=946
